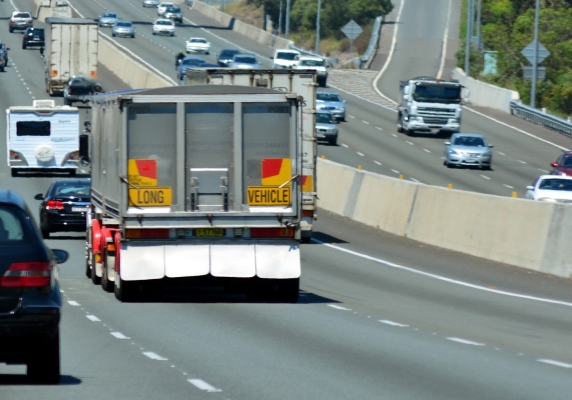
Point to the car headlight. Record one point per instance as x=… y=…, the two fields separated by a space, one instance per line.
x=454 y=152
x=547 y=199
x=413 y=118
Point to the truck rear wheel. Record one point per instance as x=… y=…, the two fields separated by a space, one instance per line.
x=126 y=292
x=94 y=278
x=399 y=123
x=108 y=262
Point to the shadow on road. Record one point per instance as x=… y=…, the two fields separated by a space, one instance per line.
x=13 y=379
x=325 y=238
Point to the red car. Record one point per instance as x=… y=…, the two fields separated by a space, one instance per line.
x=563 y=165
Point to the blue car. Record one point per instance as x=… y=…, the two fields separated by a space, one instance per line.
x=244 y=61
x=188 y=62
x=332 y=102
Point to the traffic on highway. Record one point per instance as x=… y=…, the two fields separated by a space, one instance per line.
x=167 y=241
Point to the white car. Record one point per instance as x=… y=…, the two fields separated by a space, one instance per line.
x=164 y=27
x=163 y=6
x=551 y=188
x=285 y=58
x=198 y=45
x=317 y=64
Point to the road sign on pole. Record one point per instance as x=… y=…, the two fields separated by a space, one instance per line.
x=527 y=73
x=528 y=52
x=352 y=30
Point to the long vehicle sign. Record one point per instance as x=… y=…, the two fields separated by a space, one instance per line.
x=269 y=196
x=151 y=197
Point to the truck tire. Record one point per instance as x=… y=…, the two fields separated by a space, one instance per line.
x=94 y=278
x=44 y=364
x=108 y=261
x=399 y=123
x=125 y=292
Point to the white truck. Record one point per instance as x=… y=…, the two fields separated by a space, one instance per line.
x=430 y=105
x=43 y=138
x=302 y=82
x=72 y=51
x=192 y=181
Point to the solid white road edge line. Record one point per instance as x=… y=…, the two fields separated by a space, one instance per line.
x=445 y=40
x=556 y=363
x=202 y=385
x=93 y=318
x=442 y=278
x=154 y=356
x=463 y=341
x=388 y=322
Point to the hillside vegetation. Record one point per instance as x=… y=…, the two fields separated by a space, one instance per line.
x=508 y=27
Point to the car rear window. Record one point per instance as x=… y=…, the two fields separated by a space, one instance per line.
x=33 y=128
x=324 y=118
x=73 y=190
x=327 y=97
x=22 y=15
x=286 y=56
x=11 y=229
x=247 y=60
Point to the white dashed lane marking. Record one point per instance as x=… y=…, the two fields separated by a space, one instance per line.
x=345 y=145
x=502 y=154
x=411 y=143
x=484 y=176
x=120 y=335
x=93 y=318
x=522 y=162
x=414 y=180
x=377 y=162
x=377 y=127
x=387 y=322
x=154 y=356
x=464 y=341
x=339 y=307
x=202 y=385
x=508 y=186
x=428 y=151
x=555 y=363
x=394 y=135
x=543 y=170
x=394 y=170
x=365 y=122
x=361 y=154
x=73 y=303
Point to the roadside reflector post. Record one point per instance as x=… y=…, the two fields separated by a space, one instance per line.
x=359 y=167
x=514 y=194
x=401 y=177
x=450 y=186
x=323 y=157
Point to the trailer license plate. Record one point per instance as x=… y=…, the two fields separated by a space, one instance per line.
x=79 y=209
x=210 y=232
x=269 y=196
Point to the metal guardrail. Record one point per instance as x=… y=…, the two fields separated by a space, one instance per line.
x=373 y=43
x=541 y=118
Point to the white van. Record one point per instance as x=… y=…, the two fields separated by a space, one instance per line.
x=43 y=138
x=285 y=58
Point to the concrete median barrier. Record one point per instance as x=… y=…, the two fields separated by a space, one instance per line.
x=524 y=233
x=244 y=29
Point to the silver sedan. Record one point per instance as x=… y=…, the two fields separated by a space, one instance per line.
x=150 y=3
x=469 y=150
x=123 y=28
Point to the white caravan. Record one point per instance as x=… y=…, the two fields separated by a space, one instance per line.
x=43 y=138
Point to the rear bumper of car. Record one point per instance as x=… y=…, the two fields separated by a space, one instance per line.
x=197 y=49
x=164 y=32
x=326 y=136
x=64 y=222
x=35 y=42
x=124 y=34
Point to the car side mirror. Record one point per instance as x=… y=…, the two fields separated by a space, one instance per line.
x=344 y=101
x=554 y=164
x=61 y=255
x=447 y=143
x=271 y=57
x=39 y=196
x=7 y=48
x=530 y=188
x=491 y=146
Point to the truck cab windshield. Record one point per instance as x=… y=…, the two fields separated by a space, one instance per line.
x=437 y=94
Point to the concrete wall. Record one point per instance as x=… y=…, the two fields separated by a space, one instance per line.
x=130 y=71
x=486 y=95
x=527 y=234
x=237 y=26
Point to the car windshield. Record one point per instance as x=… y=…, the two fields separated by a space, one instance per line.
x=470 y=141
x=437 y=93
x=567 y=162
x=324 y=118
x=124 y=24
x=556 y=184
x=286 y=56
x=173 y=9
x=109 y=15
x=164 y=23
x=228 y=53
x=328 y=97
x=198 y=41
x=23 y=15
x=245 y=59
x=312 y=63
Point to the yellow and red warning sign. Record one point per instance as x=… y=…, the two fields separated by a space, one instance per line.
x=142 y=172
x=276 y=171
x=307 y=183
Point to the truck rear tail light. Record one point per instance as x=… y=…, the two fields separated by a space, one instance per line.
x=271 y=232
x=14 y=156
x=54 y=205
x=30 y=22
x=28 y=274
x=147 y=233
x=69 y=90
x=74 y=155
x=12 y=21
x=54 y=72
x=26 y=37
x=308 y=213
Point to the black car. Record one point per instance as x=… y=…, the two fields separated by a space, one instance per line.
x=33 y=37
x=79 y=88
x=64 y=207
x=225 y=57
x=30 y=298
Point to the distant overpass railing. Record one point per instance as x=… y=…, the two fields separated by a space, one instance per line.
x=540 y=117
x=369 y=54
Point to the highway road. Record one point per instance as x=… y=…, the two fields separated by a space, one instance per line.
x=380 y=316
